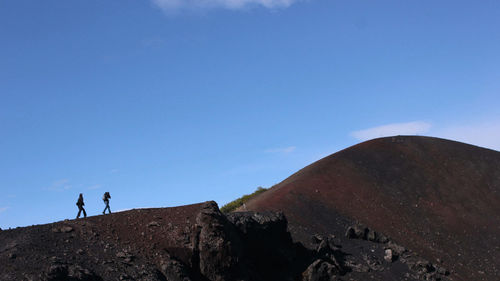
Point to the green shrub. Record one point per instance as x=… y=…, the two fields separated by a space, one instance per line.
x=233 y=205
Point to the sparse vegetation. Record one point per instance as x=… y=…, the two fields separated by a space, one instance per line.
x=233 y=205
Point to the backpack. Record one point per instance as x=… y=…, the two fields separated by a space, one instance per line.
x=80 y=202
x=106 y=196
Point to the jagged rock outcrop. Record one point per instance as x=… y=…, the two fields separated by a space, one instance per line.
x=268 y=251
x=218 y=244
x=361 y=232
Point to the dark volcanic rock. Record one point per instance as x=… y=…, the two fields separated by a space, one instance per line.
x=268 y=252
x=195 y=242
x=356 y=232
x=174 y=270
x=60 y=272
x=218 y=244
x=397 y=250
x=373 y=262
x=357 y=267
x=321 y=270
x=361 y=232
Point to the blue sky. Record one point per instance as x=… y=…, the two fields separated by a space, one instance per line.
x=170 y=102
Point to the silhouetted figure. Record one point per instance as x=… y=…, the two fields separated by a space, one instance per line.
x=80 y=205
x=106 y=198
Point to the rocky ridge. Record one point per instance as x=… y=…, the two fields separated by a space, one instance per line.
x=198 y=242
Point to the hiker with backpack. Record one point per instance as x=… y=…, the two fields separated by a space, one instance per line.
x=80 y=205
x=106 y=198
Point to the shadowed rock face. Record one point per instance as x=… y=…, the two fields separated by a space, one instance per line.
x=437 y=197
x=195 y=242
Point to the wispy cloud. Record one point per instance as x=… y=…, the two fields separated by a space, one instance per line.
x=481 y=133
x=282 y=150
x=484 y=134
x=95 y=186
x=113 y=171
x=3 y=209
x=410 y=128
x=60 y=185
x=176 y=5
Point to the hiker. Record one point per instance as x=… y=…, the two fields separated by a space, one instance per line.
x=106 y=198
x=80 y=205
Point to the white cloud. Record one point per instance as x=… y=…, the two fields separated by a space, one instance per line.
x=175 y=5
x=410 y=128
x=485 y=134
x=282 y=150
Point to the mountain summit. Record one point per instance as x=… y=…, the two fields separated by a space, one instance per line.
x=438 y=197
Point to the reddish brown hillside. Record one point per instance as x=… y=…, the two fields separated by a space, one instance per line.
x=439 y=198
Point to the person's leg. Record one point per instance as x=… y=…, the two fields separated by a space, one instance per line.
x=79 y=212
x=105 y=208
x=84 y=213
